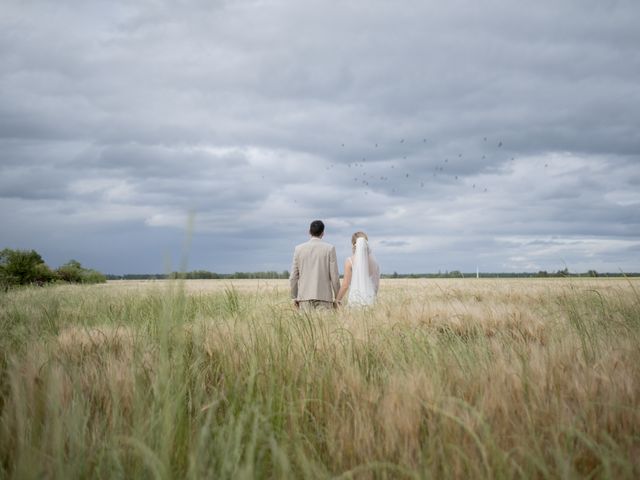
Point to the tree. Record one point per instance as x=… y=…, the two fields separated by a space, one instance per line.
x=73 y=272
x=92 y=276
x=23 y=267
x=70 y=272
x=44 y=274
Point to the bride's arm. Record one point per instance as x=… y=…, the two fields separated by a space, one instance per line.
x=345 y=282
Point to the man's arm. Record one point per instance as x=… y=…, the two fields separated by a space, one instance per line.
x=294 y=276
x=333 y=272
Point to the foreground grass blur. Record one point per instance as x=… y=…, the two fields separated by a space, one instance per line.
x=212 y=379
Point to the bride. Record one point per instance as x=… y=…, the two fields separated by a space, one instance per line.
x=361 y=274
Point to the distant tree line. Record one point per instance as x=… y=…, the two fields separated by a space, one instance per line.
x=201 y=275
x=206 y=275
x=26 y=267
x=540 y=274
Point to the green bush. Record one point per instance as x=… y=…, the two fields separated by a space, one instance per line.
x=26 y=267
x=92 y=276
x=73 y=272
x=23 y=267
x=70 y=272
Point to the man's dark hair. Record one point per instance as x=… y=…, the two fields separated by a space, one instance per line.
x=317 y=228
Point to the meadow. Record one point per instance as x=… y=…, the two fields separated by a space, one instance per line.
x=470 y=378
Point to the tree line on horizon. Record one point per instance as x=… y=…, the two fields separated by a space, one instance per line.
x=540 y=274
x=201 y=275
x=26 y=267
x=268 y=275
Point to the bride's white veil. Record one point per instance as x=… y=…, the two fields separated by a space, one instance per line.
x=361 y=290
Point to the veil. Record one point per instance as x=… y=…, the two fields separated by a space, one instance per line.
x=361 y=290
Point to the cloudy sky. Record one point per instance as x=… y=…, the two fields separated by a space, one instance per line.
x=499 y=134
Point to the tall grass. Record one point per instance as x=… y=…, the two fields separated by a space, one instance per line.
x=442 y=379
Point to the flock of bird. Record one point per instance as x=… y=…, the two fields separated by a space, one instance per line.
x=370 y=181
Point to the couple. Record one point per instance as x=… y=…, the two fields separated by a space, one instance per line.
x=315 y=282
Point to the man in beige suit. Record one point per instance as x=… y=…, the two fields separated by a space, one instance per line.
x=314 y=274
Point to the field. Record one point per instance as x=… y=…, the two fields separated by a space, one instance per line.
x=218 y=379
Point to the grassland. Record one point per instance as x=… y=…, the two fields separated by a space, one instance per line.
x=216 y=379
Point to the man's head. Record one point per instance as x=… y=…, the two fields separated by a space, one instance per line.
x=316 y=229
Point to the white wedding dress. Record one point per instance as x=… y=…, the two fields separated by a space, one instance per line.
x=365 y=276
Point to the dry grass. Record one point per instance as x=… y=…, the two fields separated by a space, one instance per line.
x=443 y=378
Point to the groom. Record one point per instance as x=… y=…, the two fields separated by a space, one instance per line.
x=314 y=274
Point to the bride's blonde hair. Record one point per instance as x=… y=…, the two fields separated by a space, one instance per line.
x=355 y=237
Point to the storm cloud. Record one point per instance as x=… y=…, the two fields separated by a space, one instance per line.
x=500 y=135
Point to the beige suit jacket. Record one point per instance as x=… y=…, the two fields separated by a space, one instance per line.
x=314 y=273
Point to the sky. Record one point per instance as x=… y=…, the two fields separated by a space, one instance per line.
x=500 y=135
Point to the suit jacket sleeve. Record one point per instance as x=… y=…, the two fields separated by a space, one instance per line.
x=333 y=272
x=294 y=275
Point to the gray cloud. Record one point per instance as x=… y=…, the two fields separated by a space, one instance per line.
x=117 y=120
